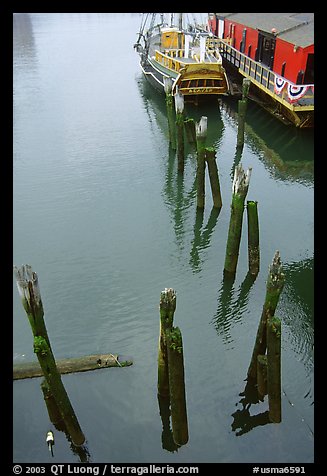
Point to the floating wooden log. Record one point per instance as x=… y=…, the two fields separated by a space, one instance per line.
x=240 y=188
x=27 y=284
x=177 y=385
x=253 y=237
x=274 y=385
x=275 y=284
x=66 y=366
x=167 y=310
x=179 y=107
x=201 y=134
x=210 y=157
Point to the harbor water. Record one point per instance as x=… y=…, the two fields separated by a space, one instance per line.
x=107 y=223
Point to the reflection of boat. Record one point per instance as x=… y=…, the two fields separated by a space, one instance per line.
x=189 y=57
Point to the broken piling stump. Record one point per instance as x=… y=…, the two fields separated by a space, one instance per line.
x=210 y=157
x=177 y=385
x=168 y=84
x=253 y=237
x=179 y=107
x=167 y=310
x=27 y=284
x=71 y=365
x=240 y=188
x=201 y=134
x=274 y=386
x=275 y=284
x=242 y=105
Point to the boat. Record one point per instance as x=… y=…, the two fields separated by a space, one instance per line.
x=188 y=57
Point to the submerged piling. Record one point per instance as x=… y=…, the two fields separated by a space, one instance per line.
x=179 y=106
x=177 y=385
x=167 y=310
x=274 y=369
x=242 y=105
x=201 y=134
x=253 y=237
x=168 y=84
x=210 y=157
x=27 y=284
x=275 y=284
x=240 y=188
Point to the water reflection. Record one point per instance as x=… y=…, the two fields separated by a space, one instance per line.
x=201 y=239
x=167 y=439
x=59 y=423
x=277 y=146
x=231 y=312
x=243 y=421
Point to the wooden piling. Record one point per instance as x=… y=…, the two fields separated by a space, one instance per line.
x=201 y=134
x=170 y=111
x=240 y=188
x=177 y=385
x=242 y=105
x=275 y=284
x=274 y=369
x=189 y=127
x=167 y=310
x=262 y=376
x=52 y=407
x=253 y=237
x=179 y=106
x=210 y=155
x=27 y=284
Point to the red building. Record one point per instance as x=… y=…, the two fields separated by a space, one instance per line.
x=280 y=43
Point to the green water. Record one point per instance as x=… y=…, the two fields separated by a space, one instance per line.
x=102 y=216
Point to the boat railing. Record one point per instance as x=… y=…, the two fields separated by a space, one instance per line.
x=296 y=97
x=168 y=61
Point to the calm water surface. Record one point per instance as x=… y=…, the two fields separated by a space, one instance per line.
x=104 y=220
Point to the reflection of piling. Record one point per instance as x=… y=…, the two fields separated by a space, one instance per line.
x=274 y=369
x=275 y=284
x=167 y=309
x=240 y=189
x=213 y=175
x=201 y=134
x=177 y=385
x=27 y=283
x=262 y=376
x=170 y=111
x=189 y=126
x=242 y=105
x=179 y=105
x=52 y=407
x=253 y=237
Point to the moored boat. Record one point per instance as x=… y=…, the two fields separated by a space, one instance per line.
x=189 y=57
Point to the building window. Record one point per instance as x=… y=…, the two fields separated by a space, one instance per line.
x=283 y=69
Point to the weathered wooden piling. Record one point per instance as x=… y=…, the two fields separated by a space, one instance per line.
x=201 y=134
x=168 y=84
x=275 y=284
x=240 y=188
x=167 y=310
x=27 y=284
x=210 y=157
x=242 y=105
x=262 y=376
x=71 y=365
x=189 y=127
x=179 y=106
x=177 y=385
x=274 y=385
x=52 y=407
x=253 y=237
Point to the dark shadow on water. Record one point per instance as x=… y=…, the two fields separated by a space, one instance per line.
x=167 y=439
x=243 y=421
x=201 y=239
